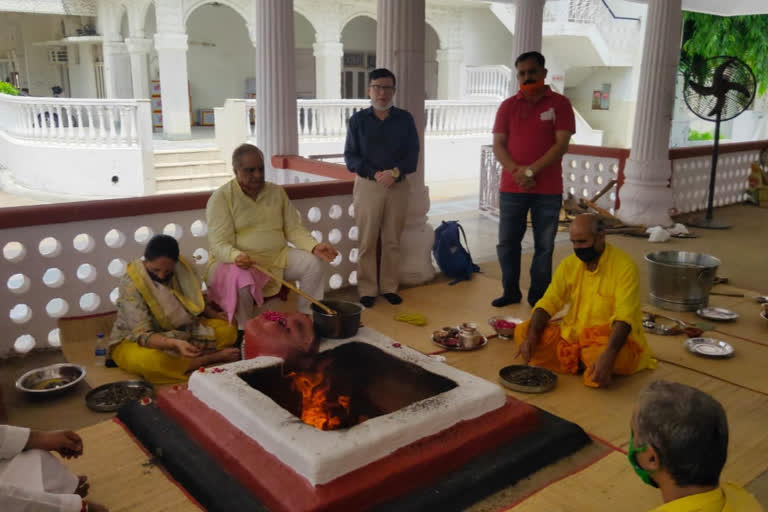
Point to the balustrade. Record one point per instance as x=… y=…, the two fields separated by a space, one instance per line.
x=65 y=121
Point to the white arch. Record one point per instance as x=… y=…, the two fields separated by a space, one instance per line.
x=236 y=6
x=367 y=13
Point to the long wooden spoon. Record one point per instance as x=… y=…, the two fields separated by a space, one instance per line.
x=297 y=290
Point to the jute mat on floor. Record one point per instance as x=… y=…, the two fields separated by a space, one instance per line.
x=123 y=477
x=604 y=413
x=610 y=484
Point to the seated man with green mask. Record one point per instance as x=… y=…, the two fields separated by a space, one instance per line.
x=679 y=444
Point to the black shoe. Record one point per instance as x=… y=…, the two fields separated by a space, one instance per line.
x=367 y=301
x=393 y=298
x=505 y=301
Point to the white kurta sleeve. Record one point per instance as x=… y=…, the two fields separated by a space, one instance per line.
x=12 y=441
x=17 y=499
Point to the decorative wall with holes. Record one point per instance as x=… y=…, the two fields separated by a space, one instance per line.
x=583 y=176
x=72 y=269
x=690 y=180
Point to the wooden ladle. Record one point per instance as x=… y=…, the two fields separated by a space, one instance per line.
x=297 y=290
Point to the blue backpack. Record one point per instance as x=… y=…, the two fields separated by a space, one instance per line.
x=451 y=256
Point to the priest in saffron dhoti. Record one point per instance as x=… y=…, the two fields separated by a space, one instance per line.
x=602 y=330
x=164 y=329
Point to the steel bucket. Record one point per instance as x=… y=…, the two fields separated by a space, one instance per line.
x=679 y=280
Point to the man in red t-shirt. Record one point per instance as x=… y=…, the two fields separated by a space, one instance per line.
x=530 y=137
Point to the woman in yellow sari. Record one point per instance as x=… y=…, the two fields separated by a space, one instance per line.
x=164 y=330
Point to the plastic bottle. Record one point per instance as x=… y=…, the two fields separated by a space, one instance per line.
x=100 y=351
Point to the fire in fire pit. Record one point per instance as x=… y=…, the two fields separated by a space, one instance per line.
x=347 y=385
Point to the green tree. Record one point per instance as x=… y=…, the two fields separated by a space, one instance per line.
x=6 y=88
x=746 y=37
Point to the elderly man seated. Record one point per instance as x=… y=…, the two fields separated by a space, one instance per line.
x=679 y=444
x=31 y=479
x=602 y=330
x=164 y=329
x=251 y=222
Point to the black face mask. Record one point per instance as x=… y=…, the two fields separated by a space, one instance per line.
x=586 y=254
x=157 y=279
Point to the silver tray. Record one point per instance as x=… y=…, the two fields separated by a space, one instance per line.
x=709 y=347
x=460 y=348
x=720 y=314
x=110 y=397
x=548 y=378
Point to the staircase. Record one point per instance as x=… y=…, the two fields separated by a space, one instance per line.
x=190 y=170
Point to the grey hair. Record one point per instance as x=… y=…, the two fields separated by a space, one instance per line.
x=241 y=150
x=687 y=428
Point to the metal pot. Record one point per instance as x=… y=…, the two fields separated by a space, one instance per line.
x=343 y=325
x=679 y=280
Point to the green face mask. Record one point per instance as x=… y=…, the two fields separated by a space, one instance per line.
x=644 y=474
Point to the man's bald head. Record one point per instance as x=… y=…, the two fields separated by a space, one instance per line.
x=587 y=224
x=588 y=236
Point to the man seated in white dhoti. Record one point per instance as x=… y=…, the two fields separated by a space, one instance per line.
x=33 y=480
x=250 y=223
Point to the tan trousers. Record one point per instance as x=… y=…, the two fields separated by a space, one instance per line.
x=379 y=210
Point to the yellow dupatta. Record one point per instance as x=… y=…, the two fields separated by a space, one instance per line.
x=185 y=286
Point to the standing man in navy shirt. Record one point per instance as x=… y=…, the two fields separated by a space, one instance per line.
x=382 y=148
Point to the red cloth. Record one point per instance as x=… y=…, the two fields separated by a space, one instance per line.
x=530 y=129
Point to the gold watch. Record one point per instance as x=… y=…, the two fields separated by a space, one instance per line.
x=395 y=172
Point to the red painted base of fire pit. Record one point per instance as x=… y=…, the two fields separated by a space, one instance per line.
x=406 y=470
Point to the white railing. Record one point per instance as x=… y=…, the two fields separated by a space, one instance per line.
x=54 y=270
x=74 y=121
x=101 y=148
x=487 y=81
x=583 y=177
x=690 y=179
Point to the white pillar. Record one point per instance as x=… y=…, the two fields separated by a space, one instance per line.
x=449 y=73
x=83 y=75
x=328 y=69
x=400 y=48
x=529 y=16
x=174 y=89
x=645 y=195
x=276 y=126
x=138 y=49
x=111 y=51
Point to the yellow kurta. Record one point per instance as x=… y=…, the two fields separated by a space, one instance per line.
x=728 y=498
x=604 y=296
x=260 y=228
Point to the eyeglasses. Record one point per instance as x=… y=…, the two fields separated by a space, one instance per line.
x=385 y=88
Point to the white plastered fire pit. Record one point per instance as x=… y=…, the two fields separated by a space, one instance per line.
x=322 y=456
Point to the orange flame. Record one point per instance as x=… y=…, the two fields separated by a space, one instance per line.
x=316 y=409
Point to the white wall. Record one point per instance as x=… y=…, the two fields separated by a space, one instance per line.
x=218 y=72
x=486 y=40
x=304 y=38
x=616 y=122
x=40 y=74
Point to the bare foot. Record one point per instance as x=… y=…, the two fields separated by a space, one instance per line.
x=95 y=507
x=82 y=486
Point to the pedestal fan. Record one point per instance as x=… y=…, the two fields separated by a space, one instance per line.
x=719 y=89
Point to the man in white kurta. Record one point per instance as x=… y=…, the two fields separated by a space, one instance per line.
x=33 y=480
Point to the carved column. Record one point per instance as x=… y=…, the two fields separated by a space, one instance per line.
x=275 y=82
x=400 y=48
x=529 y=16
x=449 y=63
x=174 y=89
x=138 y=49
x=645 y=196
x=328 y=69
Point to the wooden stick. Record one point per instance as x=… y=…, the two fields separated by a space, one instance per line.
x=601 y=211
x=297 y=290
x=604 y=191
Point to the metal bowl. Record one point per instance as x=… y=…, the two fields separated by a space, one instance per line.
x=110 y=397
x=508 y=333
x=344 y=324
x=51 y=380
x=527 y=379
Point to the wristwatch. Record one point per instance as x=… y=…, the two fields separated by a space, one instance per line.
x=395 y=172
x=529 y=173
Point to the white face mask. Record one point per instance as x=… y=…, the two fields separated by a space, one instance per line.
x=381 y=109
